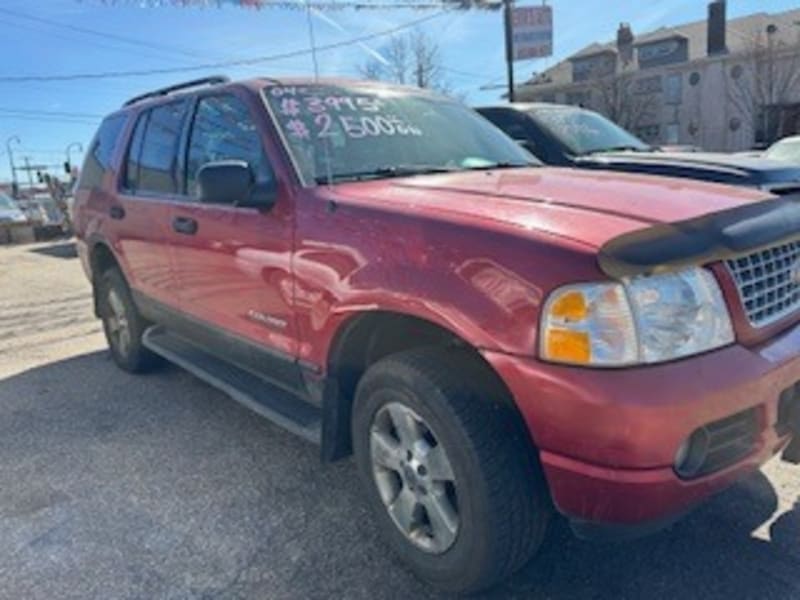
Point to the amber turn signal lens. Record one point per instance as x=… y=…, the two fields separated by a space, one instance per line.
x=571 y=307
x=588 y=324
x=569 y=346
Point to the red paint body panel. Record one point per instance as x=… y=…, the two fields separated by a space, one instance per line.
x=476 y=253
x=237 y=269
x=617 y=432
x=143 y=239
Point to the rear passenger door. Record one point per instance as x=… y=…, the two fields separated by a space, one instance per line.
x=148 y=187
x=234 y=263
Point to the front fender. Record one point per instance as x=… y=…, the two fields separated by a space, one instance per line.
x=483 y=285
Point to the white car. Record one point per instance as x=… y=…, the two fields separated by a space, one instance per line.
x=787 y=149
x=9 y=211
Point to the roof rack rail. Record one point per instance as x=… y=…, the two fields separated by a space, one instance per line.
x=214 y=80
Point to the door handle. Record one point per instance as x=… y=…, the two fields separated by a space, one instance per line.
x=116 y=212
x=184 y=225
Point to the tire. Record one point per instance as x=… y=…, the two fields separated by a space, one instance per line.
x=493 y=513
x=123 y=325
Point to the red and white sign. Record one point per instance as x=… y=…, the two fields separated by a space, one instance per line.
x=532 y=32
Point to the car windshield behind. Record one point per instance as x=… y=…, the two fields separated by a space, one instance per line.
x=370 y=132
x=586 y=132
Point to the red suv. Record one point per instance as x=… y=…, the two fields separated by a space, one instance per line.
x=383 y=272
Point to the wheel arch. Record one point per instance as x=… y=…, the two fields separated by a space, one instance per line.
x=101 y=258
x=367 y=337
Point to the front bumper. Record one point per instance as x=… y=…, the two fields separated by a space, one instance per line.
x=608 y=438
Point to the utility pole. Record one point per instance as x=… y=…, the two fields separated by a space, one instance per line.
x=29 y=170
x=14 y=187
x=507 y=6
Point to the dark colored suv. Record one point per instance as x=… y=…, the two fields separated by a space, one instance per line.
x=569 y=136
x=383 y=272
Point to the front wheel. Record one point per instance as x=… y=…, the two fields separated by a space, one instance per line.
x=450 y=473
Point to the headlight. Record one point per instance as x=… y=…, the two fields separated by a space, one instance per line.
x=643 y=320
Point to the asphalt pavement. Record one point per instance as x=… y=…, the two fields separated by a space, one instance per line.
x=158 y=486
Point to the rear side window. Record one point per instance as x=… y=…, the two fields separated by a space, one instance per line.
x=98 y=159
x=152 y=157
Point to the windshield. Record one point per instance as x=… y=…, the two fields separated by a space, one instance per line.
x=585 y=132
x=785 y=150
x=353 y=133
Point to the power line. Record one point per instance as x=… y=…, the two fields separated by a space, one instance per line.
x=60 y=151
x=87 y=31
x=47 y=113
x=465 y=74
x=336 y=5
x=108 y=46
x=61 y=120
x=221 y=64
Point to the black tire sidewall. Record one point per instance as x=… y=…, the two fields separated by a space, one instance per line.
x=137 y=354
x=467 y=558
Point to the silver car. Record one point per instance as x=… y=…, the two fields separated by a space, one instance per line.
x=10 y=212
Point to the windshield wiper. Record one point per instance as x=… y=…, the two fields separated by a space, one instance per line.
x=388 y=172
x=502 y=165
x=629 y=147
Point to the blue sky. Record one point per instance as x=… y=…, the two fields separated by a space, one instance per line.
x=156 y=37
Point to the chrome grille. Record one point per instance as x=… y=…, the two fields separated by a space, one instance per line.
x=768 y=282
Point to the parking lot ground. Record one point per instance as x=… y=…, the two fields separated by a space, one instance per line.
x=158 y=486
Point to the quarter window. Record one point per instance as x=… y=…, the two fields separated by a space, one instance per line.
x=223 y=129
x=98 y=159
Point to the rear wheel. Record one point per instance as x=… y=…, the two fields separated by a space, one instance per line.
x=123 y=325
x=449 y=471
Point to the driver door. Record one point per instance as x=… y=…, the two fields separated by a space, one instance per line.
x=232 y=264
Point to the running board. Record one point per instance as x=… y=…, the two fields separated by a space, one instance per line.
x=256 y=393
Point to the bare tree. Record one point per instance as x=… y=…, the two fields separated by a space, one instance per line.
x=766 y=78
x=414 y=59
x=625 y=99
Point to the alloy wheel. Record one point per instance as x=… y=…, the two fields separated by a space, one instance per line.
x=414 y=478
x=117 y=322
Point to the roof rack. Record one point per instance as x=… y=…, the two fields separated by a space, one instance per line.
x=214 y=80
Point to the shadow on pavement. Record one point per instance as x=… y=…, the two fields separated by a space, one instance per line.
x=60 y=250
x=157 y=486
x=710 y=554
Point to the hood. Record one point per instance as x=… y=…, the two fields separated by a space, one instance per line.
x=587 y=207
x=736 y=169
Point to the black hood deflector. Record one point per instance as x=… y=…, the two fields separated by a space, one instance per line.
x=702 y=240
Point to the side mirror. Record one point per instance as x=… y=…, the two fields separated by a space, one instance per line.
x=231 y=182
